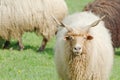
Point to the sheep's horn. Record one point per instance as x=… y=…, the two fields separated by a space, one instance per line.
x=95 y=23
x=62 y=24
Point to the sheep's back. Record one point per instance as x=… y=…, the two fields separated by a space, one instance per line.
x=110 y=8
x=31 y=15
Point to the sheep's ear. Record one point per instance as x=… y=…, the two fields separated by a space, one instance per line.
x=89 y=37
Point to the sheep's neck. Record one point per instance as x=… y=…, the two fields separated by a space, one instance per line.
x=77 y=66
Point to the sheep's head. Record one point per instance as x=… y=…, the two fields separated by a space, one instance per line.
x=76 y=38
x=77 y=41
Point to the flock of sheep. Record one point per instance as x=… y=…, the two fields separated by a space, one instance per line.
x=85 y=41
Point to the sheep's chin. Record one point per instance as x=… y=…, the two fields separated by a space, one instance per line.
x=77 y=53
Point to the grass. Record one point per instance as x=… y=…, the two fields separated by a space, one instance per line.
x=76 y=5
x=32 y=65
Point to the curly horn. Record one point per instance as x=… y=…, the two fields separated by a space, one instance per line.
x=94 y=23
x=62 y=24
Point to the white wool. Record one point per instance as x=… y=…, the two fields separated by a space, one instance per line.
x=19 y=16
x=99 y=49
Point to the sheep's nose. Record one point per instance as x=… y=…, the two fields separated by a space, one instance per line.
x=77 y=48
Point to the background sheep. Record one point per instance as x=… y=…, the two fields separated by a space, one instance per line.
x=110 y=8
x=19 y=16
x=82 y=52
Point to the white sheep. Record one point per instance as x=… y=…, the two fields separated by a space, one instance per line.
x=19 y=16
x=83 y=49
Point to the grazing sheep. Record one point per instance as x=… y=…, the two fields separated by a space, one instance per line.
x=19 y=16
x=110 y=8
x=83 y=49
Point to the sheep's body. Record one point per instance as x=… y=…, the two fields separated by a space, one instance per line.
x=110 y=8
x=96 y=62
x=19 y=16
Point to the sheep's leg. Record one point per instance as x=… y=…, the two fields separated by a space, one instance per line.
x=6 y=44
x=43 y=44
x=21 y=46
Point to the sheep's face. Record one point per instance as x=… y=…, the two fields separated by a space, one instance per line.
x=77 y=41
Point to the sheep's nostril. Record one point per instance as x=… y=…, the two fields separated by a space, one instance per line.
x=77 y=48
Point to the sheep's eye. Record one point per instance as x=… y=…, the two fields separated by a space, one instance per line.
x=69 y=38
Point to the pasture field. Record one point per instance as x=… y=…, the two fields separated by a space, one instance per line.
x=32 y=65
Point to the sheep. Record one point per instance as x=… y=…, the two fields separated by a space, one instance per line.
x=20 y=16
x=83 y=49
x=110 y=8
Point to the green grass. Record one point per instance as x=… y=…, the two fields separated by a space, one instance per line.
x=28 y=64
x=32 y=65
x=76 y=5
